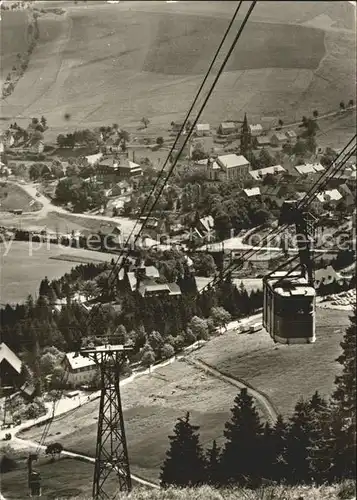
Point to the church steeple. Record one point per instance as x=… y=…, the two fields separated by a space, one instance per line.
x=245 y=136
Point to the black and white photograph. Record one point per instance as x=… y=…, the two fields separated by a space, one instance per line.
x=178 y=249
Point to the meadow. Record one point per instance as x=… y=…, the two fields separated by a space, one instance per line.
x=118 y=63
x=152 y=403
x=13 y=39
x=13 y=197
x=283 y=373
x=23 y=266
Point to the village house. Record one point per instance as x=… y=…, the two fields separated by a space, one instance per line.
x=348 y=196
x=278 y=139
x=205 y=226
x=80 y=370
x=232 y=167
x=145 y=281
x=10 y=367
x=332 y=196
x=262 y=172
x=252 y=192
x=121 y=188
x=291 y=135
x=255 y=130
x=309 y=168
x=227 y=128
x=327 y=276
x=261 y=141
x=128 y=169
x=203 y=129
x=273 y=194
x=94 y=159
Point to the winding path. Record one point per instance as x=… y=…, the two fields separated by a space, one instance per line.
x=263 y=400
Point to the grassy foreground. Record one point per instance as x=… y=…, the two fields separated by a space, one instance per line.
x=341 y=491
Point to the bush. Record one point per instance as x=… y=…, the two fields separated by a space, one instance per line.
x=7 y=459
x=167 y=351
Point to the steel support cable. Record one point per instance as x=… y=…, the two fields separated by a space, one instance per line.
x=174 y=145
x=238 y=35
x=308 y=198
x=182 y=129
x=316 y=187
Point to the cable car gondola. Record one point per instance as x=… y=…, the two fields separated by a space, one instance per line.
x=289 y=297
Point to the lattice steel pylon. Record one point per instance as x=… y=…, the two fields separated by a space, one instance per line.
x=111 y=456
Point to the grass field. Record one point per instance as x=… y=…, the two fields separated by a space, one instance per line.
x=117 y=63
x=14 y=197
x=152 y=403
x=283 y=373
x=13 y=39
x=64 y=478
x=23 y=266
x=69 y=478
x=151 y=406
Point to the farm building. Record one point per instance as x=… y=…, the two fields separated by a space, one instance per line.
x=262 y=172
x=233 y=167
x=203 y=129
x=255 y=130
x=127 y=169
x=278 y=139
x=227 y=128
x=80 y=369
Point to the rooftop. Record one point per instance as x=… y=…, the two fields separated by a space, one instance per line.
x=261 y=172
x=255 y=191
x=8 y=355
x=203 y=126
x=330 y=195
x=228 y=125
x=77 y=361
x=232 y=160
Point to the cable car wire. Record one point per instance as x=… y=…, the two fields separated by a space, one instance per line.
x=160 y=190
x=120 y=258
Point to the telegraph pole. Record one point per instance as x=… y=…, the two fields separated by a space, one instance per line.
x=111 y=458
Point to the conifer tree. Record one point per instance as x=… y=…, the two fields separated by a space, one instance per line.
x=213 y=467
x=279 y=464
x=184 y=464
x=241 y=454
x=344 y=402
x=299 y=441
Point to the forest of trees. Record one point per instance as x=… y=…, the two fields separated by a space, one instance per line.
x=157 y=327
x=317 y=444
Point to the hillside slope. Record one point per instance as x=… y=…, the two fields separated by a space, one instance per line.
x=116 y=63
